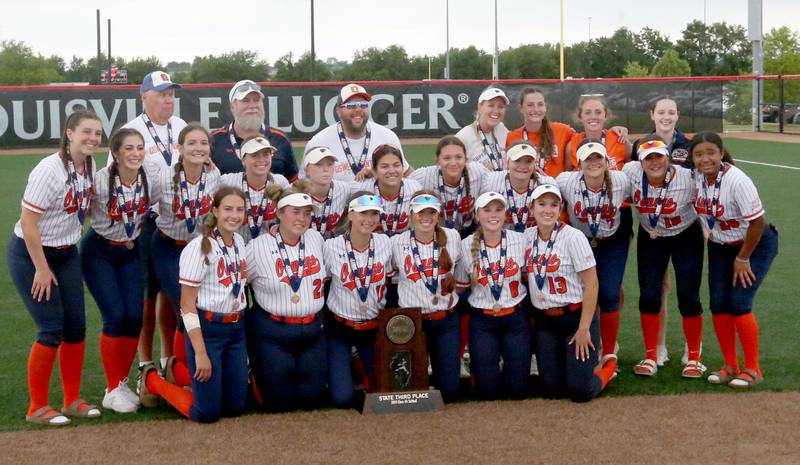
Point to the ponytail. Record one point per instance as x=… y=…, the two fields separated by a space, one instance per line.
x=445 y=262
x=609 y=186
x=475 y=252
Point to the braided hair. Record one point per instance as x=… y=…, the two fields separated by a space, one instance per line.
x=208 y=231
x=73 y=121
x=115 y=144
x=191 y=127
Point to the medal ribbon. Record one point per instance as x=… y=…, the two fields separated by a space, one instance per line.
x=320 y=222
x=450 y=222
x=593 y=212
x=191 y=209
x=540 y=160
x=234 y=266
x=433 y=284
x=653 y=217
x=712 y=203
x=128 y=215
x=80 y=196
x=295 y=279
x=398 y=208
x=519 y=215
x=366 y=280
x=255 y=216
x=356 y=167
x=166 y=151
x=495 y=285
x=538 y=274
x=492 y=150
x=235 y=144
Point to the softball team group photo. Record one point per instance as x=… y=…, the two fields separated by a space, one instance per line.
x=264 y=279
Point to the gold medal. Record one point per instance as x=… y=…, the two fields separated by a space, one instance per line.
x=363 y=309
x=653 y=235
x=594 y=243
x=295 y=299
x=496 y=307
x=435 y=301
x=235 y=306
x=129 y=245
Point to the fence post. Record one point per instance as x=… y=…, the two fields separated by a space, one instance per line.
x=782 y=106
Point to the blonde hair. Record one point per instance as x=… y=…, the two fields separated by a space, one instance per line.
x=587 y=98
x=445 y=262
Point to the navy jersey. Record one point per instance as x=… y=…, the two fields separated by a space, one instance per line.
x=678 y=149
x=225 y=156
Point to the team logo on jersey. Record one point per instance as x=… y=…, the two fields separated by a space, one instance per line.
x=512 y=268
x=116 y=215
x=700 y=208
x=330 y=223
x=649 y=204
x=312 y=267
x=270 y=213
x=177 y=209
x=607 y=212
x=466 y=208
x=378 y=275
x=427 y=266
x=531 y=222
x=225 y=278
x=402 y=222
x=679 y=155
x=71 y=200
x=538 y=261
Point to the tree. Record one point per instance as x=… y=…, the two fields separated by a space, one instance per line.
x=671 y=65
x=374 y=64
x=139 y=67
x=287 y=70
x=782 y=56
x=635 y=70
x=20 y=66
x=652 y=45
x=470 y=63
x=532 y=61
x=719 y=49
x=229 y=67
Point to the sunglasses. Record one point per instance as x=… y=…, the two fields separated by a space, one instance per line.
x=249 y=87
x=426 y=199
x=651 y=144
x=366 y=201
x=354 y=105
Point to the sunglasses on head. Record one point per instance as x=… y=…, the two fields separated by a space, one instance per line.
x=425 y=199
x=249 y=87
x=354 y=105
x=366 y=201
x=651 y=144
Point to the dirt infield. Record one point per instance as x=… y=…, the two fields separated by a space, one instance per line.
x=712 y=428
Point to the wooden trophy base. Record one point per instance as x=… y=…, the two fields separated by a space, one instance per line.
x=378 y=403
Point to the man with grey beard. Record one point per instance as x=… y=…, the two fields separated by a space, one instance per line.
x=247 y=108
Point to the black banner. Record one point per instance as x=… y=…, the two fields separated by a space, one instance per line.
x=31 y=117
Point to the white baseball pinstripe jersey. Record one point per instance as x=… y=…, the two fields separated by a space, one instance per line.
x=214 y=280
x=343 y=298
x=496 y=182
x=171 y=216
x=739 y=204
x=397 y=217
x=569 y=182
x=270 y=279
x=340 y=198
x=153 y=158
x=429 y=177
x=562 y=284
x=270 y=213
x=49 y=194
x=513 y=287
x=109 y=222
x=411 y=287
x=474 y=143
x=677 y=210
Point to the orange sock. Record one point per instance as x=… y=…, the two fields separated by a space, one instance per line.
x=693 y=330
x=726 y=336
x=70 y=362
x=110 y=348
x=40 y=368
x=181 y=374
x=747 y=328
x=179 y=346
x=606 y=372
x=464 y=333
x=651 y=323
x=129 y=347
x=178 y=397
x=609 y=329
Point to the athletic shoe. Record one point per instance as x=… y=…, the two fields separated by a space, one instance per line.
x=662 y=355
x=534 y=366
x=464 y=371
x=132 y=396
x=118 y=401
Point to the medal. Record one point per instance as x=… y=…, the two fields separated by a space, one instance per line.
x=594 y=243
x=295 y=278
x=662 y=195
x=712 y=204
x=495 y=285
x=361 y=279
x=653 y=235
x=390 y=229
x=166 y=151
x=540 y=271
x=496 y=307
x=255 y=215
x=81 y=187
x=435 y=300
x=355 y=166
x=593 y=212
x=129 y=245
x=363 y=309
x=433 y=284
x=128 y=214
x=191 y=209
x=519 y=215
x=233 y=265
x=235 y=306
x=492 y=151
x=450 y=222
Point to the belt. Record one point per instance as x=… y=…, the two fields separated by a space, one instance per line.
x=357 y=325
x=59 y=247
x=216 y=317
x=127 y=244
x=501 y=312
x=294 y=320
x=440 y=315
x=559 y=311
x=177 y=242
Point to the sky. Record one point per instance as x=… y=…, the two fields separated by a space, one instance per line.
x=179 y=30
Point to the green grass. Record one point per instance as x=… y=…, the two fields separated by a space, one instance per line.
x=775 y=306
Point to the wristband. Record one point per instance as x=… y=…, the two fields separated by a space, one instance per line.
x=190 y=320
x=740 y=260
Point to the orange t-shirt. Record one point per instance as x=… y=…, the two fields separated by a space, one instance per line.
x=616 y=149
x=561 y=135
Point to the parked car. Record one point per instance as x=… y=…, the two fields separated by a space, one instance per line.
x=791 y=112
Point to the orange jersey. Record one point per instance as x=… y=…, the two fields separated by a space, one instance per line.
x=616 y=149
x=561 y=135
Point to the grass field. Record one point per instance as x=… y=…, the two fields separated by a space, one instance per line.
x=775 y=308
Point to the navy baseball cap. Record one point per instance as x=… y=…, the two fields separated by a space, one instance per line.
x=157 y=81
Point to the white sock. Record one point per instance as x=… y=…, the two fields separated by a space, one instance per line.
x=164 y=361
x=144 y=362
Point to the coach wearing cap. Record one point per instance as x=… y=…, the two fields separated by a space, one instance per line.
x=354 y=137
x=247 y=108
x=485 y=138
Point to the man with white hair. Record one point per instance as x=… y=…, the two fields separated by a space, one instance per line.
x=354 y=137
x=247 y=108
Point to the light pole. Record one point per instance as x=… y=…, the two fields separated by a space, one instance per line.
x=312 y=41
x=495 y=62
x=561 y=47
x=447 y=32
x=590 y=28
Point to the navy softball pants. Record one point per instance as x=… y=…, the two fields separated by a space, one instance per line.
x=340 y=340
x=492 y=338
